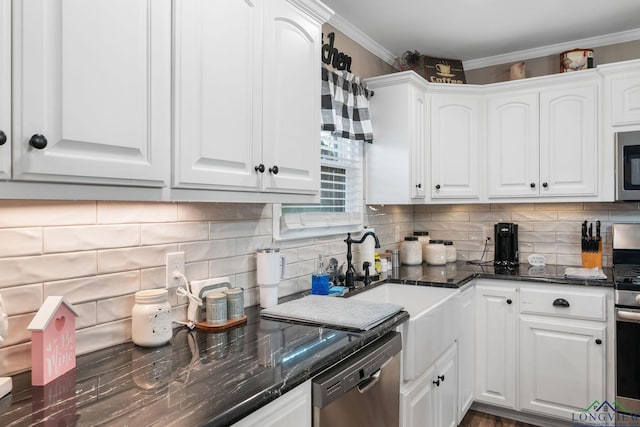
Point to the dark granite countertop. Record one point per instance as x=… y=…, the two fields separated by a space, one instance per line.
x=216 y=379
x=200 y=378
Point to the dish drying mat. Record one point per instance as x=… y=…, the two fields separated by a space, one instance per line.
x=584 y=273
x=331 y=311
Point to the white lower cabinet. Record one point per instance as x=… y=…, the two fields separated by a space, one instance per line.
x=431 y=399
x=496 y=320
x=292 y=409
x=562 y=365
x=466 y=350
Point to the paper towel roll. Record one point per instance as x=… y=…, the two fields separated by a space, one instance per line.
x=366 y=252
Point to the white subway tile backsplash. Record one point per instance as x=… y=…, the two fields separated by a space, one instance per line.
x=102 y=335
x=93 y=288
x=18 y=332
x=229 y=229
x=200 y=251
x=136 y=212
x=27 y=213
x=83 y=238
x=35 y=269
x=114 y=260
x=520 y=216
x=22 y=299
x=87 y=315
x=232 y=265
x=15 y=358
x=117 y=308
x=20 y=242
x=154 y=234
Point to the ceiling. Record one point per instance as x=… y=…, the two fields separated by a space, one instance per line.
x=473 y=30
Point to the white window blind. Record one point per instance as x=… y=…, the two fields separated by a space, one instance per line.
x=340 y=206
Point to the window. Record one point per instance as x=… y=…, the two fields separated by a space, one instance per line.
x=340 y=207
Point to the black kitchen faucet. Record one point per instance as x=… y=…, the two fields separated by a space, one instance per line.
x=349 y=278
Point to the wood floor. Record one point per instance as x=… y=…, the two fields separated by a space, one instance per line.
x=480 y=419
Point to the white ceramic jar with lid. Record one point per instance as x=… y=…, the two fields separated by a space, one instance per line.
x=151 y=318
x=423 y=238
x=411 y=251
x=436 y=253
x=452 y=253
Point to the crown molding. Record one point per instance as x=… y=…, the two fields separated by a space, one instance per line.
x=554 y=49
x=361 y=38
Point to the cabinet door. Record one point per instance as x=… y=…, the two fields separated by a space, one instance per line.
x=217 y=94
x=466 y=351
x=562 y=366
x=94 y=78
x=292 y=409
x=5 y=89
x=513 y=158
x=416 y=402
x=568 y=136
x=445 y=393
x=395 y=161
x=496 y=317
x=625 y=99
x=291 y=136
x=455 y=153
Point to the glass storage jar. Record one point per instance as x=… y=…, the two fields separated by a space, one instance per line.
x=452 y=253
x=411 y=251
x=151 y=318
x=436 y=253
x=423 y=238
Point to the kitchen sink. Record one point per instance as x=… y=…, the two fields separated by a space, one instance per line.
x=431 y=327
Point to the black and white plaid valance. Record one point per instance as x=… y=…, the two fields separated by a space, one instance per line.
x=345 y=106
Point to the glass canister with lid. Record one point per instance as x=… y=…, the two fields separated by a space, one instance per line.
x=411 y=251
x=423 y=238
x=436 y=253
x=452 y=253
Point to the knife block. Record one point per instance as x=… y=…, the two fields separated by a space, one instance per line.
x=592 y=259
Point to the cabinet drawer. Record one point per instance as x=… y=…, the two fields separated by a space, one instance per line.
x=590 y=304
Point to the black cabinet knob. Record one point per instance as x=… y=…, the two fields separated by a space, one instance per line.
x=437 y=383
x=38 y=141
x=532 y=185
x=3 y=137
x=598 y=341
x=545 y=185
x=418 y=185
x=274 y=170
x=509 y=301
x=437 y=186
x=260 y=168
x=441 y=378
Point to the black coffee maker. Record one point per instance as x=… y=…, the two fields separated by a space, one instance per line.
x=506 y=245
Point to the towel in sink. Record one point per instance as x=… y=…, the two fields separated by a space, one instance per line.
x=341 y=312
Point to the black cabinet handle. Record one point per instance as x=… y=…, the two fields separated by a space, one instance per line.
x=509 y=301
x=598 y=341
x=38 y=141
x=532 y=185
x=437 y=186
x=561 y=302
x=545 y=185
x=260 y=168
x=418 y=185
x=441 y=378
x=274 y=170
x=437 y=383
x=3 y=137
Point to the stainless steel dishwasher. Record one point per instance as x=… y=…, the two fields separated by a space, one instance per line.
x=362 y=390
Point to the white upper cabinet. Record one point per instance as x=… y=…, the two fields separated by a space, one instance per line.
x=622 y=92
x=5 y=89
x=513 y=155
x=568 y=140
x=217 y=94
x=247 y=95
x=291 y=108
x=91 y=91
x=396 y=159
x=455 y=146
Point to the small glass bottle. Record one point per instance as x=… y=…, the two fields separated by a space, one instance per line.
x=436 y=253
x=411 y=251
x=452 y=253
x=151 y=318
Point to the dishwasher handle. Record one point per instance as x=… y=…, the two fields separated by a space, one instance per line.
x=370 y=382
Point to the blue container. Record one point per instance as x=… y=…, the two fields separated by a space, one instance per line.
x=320 y=284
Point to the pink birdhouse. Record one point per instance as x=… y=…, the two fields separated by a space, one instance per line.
x=53 y=340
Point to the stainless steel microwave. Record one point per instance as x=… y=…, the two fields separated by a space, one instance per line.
x=628 y=165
